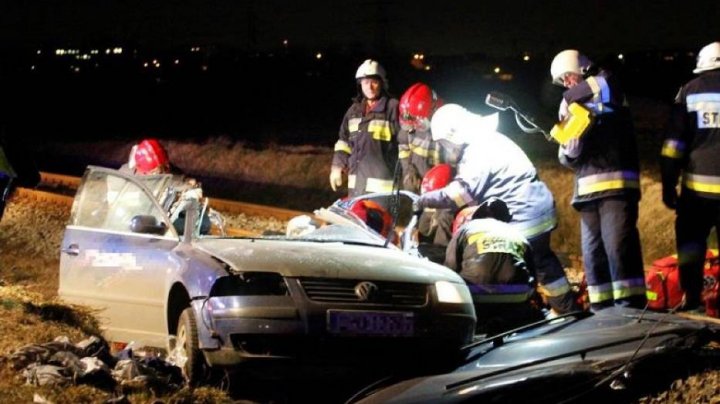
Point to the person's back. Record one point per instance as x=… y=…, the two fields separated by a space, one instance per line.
x=496 y=262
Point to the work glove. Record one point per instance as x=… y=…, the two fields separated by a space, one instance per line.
x=572 y=148
x=669 y=196
x=336 y=179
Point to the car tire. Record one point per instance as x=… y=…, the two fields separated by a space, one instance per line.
x=186 y=341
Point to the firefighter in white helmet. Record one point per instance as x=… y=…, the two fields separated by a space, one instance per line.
x=691 y=149
x=367 y=149
x=490 y=165
x=607 y=186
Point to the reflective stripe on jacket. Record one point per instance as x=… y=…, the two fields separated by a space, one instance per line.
x=367 y=145
x=692 y=141
x=608 y=162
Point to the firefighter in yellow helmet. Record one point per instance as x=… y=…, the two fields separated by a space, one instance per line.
x=691 y=149
x=366 y=149
x=607 y=186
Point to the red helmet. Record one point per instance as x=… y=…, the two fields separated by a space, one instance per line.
x=150 y=157
x=374 y=215
x=417 y=105
x=436 y=178
x=462 y=217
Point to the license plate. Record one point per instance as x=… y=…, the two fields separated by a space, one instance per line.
x=372 y=323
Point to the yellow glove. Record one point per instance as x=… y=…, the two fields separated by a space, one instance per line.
x=336 y=179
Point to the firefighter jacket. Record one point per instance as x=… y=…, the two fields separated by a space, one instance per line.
x=417 y=154
x=494 y=166
x=494 y=259
x=692 y=142
x=608 y=163
x=367 y=146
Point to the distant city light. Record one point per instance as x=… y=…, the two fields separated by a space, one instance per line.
x=177 y=61
x=32 y=67
x=60 y=52
x=418 y=56
x=117 y=51
x=195 y=49
x=427 y=68
x=318 y=56
x=146 y=64
x=75 y=69
x=620 y=56
x=107 y=51
x=526 y=58
x=285 y=42
x=204 y=68
x=497 y=69
x=39 y=51
x=94 y=52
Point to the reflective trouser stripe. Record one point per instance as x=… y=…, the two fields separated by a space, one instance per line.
x=702 y=183
x=616 y=290
x=673 y=148
x=607 y=181
x=556 y=288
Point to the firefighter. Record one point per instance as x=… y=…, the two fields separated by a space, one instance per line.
x=691 y=148
x=496 y=262
x=418 y=153
x=490 y=165
x=149 y=157
x=607 y=182
x=367 y=146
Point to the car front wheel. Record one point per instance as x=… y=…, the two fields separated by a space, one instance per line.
x=187 y=353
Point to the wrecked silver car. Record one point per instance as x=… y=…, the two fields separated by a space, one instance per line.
x=218 y=300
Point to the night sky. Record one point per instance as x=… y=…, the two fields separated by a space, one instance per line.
x=497 y=28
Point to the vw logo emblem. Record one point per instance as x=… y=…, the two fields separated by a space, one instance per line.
x=366 y=291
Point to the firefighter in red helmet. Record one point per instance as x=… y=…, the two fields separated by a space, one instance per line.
x=417 y=151
x=374 y=215
x=497 y=264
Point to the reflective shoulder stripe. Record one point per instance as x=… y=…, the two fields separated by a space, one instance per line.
x=378 y=185
x=702 y=183
x=673 y=148
x=343 y=146
x=354 y=124
x=608 y=181
x=707 y=106
x=351 y=181
x=696 y=102
x=380 y=130
x=458 y=194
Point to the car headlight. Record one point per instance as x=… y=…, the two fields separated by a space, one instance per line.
x=448 y=292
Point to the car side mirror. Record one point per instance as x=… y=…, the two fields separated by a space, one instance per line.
x=147 y=224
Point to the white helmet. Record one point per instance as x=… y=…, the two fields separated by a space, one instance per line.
x=457 y=125
x=568 y=61
x=708 y=58
x=370 y=68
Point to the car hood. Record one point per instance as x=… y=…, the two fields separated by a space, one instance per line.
x=325 y=260
x=557 y=357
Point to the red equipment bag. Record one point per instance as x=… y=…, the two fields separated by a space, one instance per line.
x=663 y=283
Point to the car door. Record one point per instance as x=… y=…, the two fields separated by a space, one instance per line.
x=105 y=265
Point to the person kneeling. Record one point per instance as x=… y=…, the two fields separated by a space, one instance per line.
x=495 y=260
